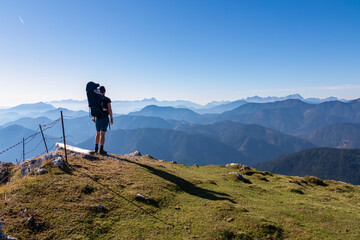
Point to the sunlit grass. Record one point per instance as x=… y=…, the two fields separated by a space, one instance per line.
x=186 y=202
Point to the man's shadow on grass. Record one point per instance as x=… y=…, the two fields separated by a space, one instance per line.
x=185 y=185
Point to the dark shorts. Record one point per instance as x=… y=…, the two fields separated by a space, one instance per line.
x=102 y=124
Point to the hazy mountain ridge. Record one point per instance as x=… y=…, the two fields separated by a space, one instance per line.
x=247 y=139
x=13 y=134
x=125 y=107
x=325 y=163
x=29 y=108
x=294 y=116
x=338 y=135
x=34 y=111
x=254 y=141
x=172 y=145
x=169 y=113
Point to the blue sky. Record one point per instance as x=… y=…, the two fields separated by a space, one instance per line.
x=198 y=50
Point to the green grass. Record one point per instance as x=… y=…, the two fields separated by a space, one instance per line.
x=186 y=203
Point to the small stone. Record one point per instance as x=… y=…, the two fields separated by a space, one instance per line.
x=139 y=195
x=149 y=156
x=195 y=165
x=237 y=165
x=229 y=219
x=241 y=178
x=40 y=171
x=189 y=232
x=133 y=154
x=31 y=220
x=233 y=165
x=173 y=162
x=11 y=238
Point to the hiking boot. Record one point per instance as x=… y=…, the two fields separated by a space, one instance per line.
x=103 y=152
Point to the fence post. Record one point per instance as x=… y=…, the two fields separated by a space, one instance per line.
x=47 y=151
x=63 y=129
x=23 y=149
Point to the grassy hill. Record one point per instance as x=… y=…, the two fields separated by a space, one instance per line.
x=186 y=203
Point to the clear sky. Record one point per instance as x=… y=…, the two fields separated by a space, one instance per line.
x=198 y=50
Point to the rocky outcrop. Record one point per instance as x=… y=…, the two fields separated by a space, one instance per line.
x=241 y=178
x=238 y=166
x=5 y=170
x=133 y=154
x=36 y=166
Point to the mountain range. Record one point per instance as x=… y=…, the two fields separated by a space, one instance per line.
x=172 y=145
x=36 y=110
x=294 y=116
x=249 y=133
x=257 y=143
x=218 y=143
x=125 y=107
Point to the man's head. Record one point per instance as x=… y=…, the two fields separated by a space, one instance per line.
x=102 y=90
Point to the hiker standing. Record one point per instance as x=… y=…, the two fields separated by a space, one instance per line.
x=103 y=122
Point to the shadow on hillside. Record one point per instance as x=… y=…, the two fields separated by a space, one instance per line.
x=126 y=199
x=185 y=185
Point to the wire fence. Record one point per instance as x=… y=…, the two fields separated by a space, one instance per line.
x=36 y=148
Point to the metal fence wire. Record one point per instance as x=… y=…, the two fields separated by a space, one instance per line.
x=25 y=141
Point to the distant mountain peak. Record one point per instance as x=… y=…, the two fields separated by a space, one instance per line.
x=149 y=100
x=295 y=96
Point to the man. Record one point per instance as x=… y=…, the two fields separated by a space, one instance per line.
x=103 y=122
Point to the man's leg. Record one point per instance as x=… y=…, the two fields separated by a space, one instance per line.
x=102 y=142
x=102 y=138
x=97 y=139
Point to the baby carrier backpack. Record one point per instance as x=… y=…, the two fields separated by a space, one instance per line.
x=94 y=98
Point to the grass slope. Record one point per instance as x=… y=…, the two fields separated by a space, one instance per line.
x=187 y=202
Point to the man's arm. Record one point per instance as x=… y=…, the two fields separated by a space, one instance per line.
x=110 y=113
